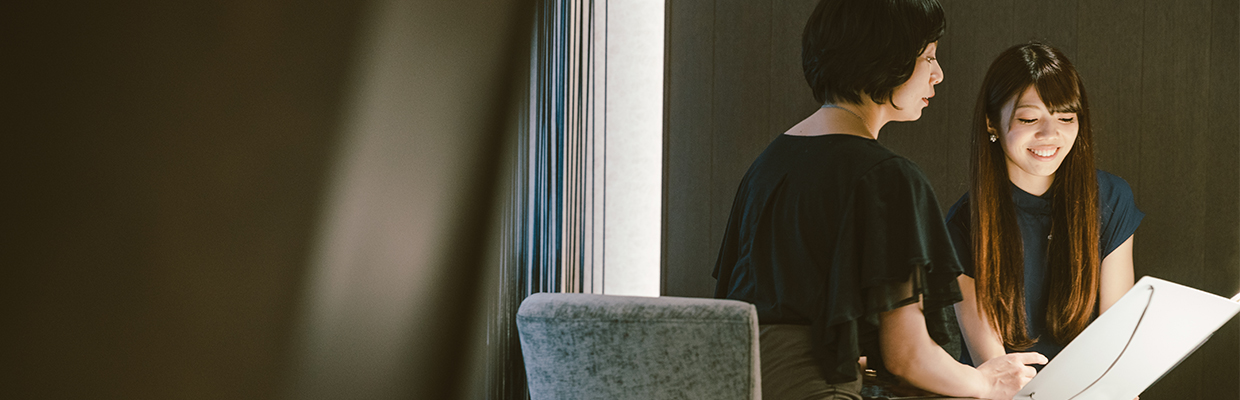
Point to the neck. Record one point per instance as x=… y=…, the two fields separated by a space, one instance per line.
x=865 y=119
x=862 y=120
x=1035 y=185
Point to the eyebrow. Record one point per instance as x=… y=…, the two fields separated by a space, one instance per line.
x=1039 y=109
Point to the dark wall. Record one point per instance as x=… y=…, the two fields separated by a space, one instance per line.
x=167 y=170
x=1163 y=83
x=162 y=168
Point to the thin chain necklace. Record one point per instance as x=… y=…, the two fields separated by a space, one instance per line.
x=829 y=105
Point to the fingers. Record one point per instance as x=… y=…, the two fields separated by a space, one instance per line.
x=1029 y=358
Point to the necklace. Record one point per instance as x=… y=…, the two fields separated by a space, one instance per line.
x=867 y=127
x=828 y=105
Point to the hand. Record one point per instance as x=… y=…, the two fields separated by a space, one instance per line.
x=1006 y=374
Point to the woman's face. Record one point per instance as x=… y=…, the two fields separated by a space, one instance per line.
x=1034 y=140
x=915 y=94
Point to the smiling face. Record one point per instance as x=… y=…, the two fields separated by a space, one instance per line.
x=1035 y=140
x=915 y=94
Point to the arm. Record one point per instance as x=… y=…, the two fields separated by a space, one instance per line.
x=1115 y=275
x=910 y=354
x=984 y=343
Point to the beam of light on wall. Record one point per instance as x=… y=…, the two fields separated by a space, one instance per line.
x=423 y=92
x=634 y=33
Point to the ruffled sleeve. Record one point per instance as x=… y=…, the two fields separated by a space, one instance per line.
x=1119 y=214
x=893 y=232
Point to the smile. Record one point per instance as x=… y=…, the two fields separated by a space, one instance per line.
x=1045 y=152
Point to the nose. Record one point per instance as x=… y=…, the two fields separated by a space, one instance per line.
x=1047 y=130
x=936 y=75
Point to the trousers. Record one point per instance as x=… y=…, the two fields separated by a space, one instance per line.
x=789 y=370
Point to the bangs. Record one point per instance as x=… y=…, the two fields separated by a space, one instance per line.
x=1058 y=87
x=1041 y=67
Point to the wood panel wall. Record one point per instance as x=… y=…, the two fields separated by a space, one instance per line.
x=1164 y=84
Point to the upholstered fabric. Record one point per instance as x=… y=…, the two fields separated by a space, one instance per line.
x=585 y=346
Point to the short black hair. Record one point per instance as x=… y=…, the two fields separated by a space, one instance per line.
x=851 y=47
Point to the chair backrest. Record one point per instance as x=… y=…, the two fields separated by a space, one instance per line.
x=588 y=346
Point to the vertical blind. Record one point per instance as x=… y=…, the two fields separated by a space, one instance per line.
x=552 y=231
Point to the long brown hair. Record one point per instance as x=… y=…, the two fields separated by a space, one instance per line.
x=998 y=254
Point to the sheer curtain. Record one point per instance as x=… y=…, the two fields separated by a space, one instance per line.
x=552 y=228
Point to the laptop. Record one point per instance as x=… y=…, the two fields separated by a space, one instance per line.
x=1146 y=334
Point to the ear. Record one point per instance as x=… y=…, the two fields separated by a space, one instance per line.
x=990 y=127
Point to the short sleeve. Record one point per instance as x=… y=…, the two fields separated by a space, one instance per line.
x=958 y=230
x=893 y=232
x=729 y=253
x=1119 y=214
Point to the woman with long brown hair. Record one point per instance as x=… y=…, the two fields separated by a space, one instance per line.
x=838 y=241
x=1045 y=239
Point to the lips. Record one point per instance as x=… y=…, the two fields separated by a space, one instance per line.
x=1045 y=152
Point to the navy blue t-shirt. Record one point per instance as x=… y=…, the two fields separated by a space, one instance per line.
x=1119 y=219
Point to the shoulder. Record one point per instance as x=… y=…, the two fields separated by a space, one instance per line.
x=871 y=157
x=895 y=183
x=958 y=229
x=1119 y=216
x=889 y=166
x=1113 y=189
x=838 y=154
x=958 y=214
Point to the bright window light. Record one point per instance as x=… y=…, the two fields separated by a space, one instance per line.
x=633 y=39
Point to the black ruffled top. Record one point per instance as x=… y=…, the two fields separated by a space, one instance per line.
x=823 y=231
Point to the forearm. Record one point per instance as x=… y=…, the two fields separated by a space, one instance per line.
x=983 y=342
x=910 y=354
x=932 y=369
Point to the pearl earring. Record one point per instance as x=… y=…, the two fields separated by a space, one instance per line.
x=993 y=138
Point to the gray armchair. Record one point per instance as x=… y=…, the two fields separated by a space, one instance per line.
x=585 y=346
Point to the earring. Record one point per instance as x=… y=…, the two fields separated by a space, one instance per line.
x=993 y=138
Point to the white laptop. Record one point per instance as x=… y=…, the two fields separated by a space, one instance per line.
x=1146 y=334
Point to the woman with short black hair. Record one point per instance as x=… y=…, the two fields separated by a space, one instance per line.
x=837 y=241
